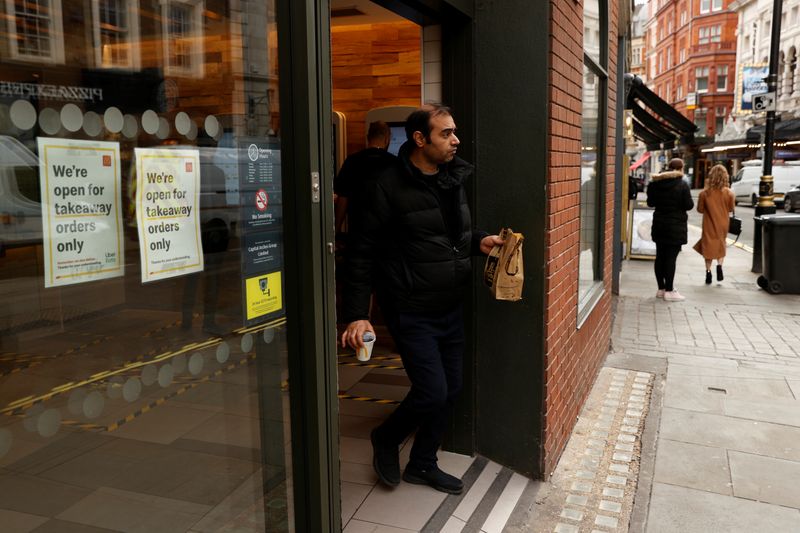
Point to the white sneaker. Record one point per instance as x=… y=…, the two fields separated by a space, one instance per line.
x=674 y=296
x=660 y=293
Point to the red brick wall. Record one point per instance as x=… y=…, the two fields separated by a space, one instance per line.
x=572 y=356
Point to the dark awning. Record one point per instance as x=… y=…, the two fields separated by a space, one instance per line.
x=655 y=122
x=785 y=130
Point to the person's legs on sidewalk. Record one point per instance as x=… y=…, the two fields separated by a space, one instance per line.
x=670 y=258
x=658 y=268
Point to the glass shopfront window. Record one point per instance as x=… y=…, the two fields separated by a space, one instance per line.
x=593 y=150
x=143 y=360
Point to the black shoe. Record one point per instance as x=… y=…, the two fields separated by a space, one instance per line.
x=708 y=277
x=434 y=477
x=720 y=277
x=385 y=461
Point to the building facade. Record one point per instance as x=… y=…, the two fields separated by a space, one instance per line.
x=638 y=44
x=692 y=63
x=167 y=251
x=753 y=48
x=743 y=135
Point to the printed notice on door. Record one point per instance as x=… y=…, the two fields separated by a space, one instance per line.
x=262 y=229
x=167 y=205
x=81 y=217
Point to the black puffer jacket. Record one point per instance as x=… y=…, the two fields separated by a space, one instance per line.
x=671 y=197
x=416 y=242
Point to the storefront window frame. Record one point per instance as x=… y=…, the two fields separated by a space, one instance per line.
x=598 y=68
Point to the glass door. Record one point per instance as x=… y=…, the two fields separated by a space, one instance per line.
x=149 y=331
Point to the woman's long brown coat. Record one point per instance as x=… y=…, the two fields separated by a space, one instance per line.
x=715 y=204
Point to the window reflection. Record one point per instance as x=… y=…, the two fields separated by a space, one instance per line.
x=592 y=148
x=166 y=409
x=35 y=29
x=590 y=142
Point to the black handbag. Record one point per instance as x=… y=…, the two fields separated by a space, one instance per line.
x=735 y=225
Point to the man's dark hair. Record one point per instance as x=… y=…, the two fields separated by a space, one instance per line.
x=377 y=130
x=675 y=163
x=420 y=120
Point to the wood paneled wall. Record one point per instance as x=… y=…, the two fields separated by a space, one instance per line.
x=374 y=65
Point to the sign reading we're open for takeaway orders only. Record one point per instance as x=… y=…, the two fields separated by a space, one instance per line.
x=81 y=218
x=167 y=209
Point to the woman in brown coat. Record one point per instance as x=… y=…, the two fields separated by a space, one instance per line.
x=716 y=202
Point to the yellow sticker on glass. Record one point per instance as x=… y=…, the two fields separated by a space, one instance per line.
x=263 y=295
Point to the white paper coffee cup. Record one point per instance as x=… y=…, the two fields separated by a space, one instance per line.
x=363 y=354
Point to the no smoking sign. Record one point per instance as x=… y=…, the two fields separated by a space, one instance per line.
x=262 y=200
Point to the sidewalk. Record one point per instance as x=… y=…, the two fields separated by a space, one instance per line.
x=725 y=417
x=717 y=447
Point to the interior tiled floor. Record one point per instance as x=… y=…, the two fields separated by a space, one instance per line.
x=368 y=506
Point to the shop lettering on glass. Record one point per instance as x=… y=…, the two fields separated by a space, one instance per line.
x=41 y=91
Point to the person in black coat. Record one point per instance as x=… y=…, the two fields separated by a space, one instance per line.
x=357 y=170
x=671 y=198
x=414 y=248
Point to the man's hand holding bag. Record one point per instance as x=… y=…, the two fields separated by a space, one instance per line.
x=503 y=272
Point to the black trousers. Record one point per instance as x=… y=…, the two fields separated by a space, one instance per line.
x=666 y=256
x=432 y=348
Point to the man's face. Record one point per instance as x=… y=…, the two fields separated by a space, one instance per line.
x=443 y=141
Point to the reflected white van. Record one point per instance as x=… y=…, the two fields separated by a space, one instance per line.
x=744 y=183
x=20 y=209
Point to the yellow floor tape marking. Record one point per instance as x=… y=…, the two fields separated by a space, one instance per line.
x=27 y=402
x=160 y=401
x=369 y=400
x=168 y=326
x=375 y=357
x=17 y=369
x=259 y=327
x=370 y=365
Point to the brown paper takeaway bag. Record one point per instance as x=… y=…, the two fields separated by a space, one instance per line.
x=503 y=272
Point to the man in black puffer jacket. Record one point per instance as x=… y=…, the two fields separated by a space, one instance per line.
x=414 y=250
x=671 y=197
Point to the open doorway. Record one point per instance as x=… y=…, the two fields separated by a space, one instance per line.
x=382 y=67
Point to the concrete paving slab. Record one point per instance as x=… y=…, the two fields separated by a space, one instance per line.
x=765 y=479
x=794 y=384
x=748 y=387
x=779 y=411
x=686 y=392
x=788 y=371
x=737 y=370
x=693 y=466
x=761 y=438
x=699 y=361
x=694 y=511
